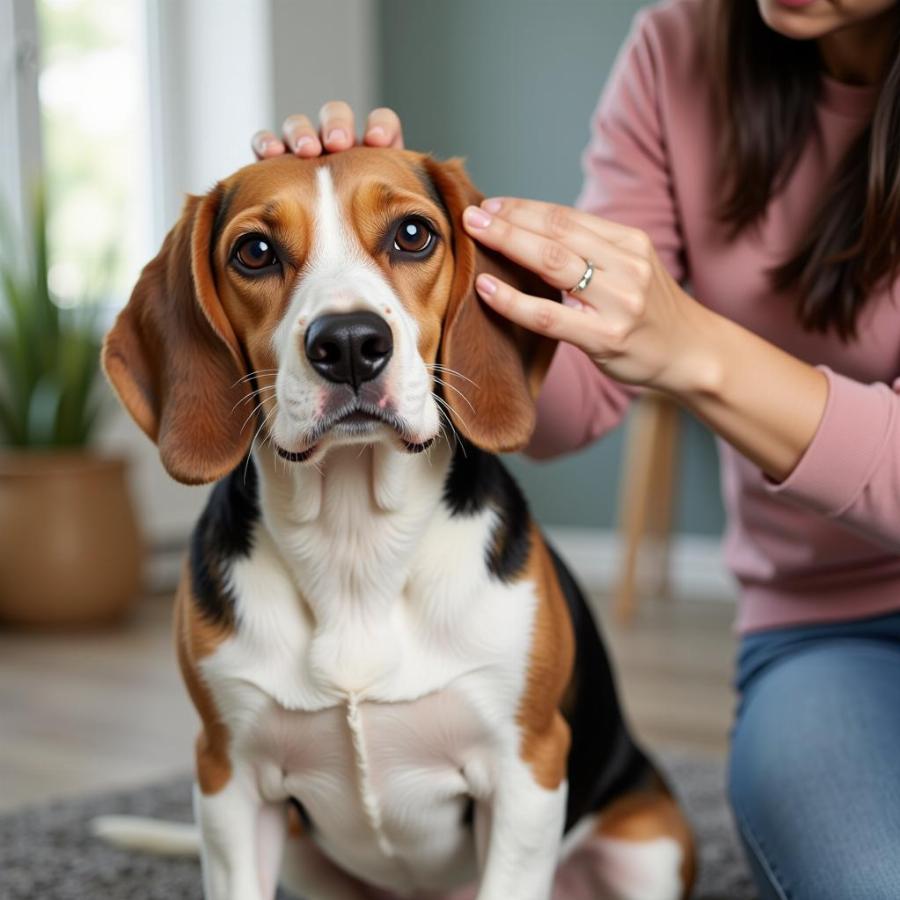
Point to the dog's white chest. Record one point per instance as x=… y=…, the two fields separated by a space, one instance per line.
x=375 y=675
x=387 y=786
x=410 y=632
x=383 y=723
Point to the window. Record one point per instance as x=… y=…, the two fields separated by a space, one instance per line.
x=93 y=103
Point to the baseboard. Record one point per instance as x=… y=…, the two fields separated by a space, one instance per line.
x=697 y=570
x=696 y=567
x=162 y=567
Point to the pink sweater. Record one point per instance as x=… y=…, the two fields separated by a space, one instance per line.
x=824 y=544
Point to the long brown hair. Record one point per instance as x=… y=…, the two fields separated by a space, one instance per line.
x=766 y=89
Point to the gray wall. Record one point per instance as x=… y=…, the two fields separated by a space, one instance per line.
x=510 y=84
x=323 y=50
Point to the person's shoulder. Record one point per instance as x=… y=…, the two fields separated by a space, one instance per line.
x=672 y=26
x=673 y=19
x=672 y=34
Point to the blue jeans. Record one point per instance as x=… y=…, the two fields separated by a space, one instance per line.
x=814 y=780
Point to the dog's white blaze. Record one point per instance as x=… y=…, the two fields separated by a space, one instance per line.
x=341 y=277
x=334 y=247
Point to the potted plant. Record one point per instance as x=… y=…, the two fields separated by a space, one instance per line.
x=69 y=544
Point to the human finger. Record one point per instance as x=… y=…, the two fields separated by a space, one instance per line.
x=300 y=136
x=383 y=129
x=336 y=126
x=266 y=143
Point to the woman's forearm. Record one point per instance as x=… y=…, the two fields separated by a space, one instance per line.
x=765 y=402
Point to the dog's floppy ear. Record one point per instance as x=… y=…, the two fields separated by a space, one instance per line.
x=495 y=366
x=173 y=358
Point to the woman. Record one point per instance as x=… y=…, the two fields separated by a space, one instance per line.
x=750 y=149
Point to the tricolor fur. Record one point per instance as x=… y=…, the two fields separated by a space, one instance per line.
x=402 y=691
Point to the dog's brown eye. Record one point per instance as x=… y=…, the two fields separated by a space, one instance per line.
x=413 y=236
x=255 y=253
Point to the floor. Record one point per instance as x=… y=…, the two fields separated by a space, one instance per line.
x=93 y=711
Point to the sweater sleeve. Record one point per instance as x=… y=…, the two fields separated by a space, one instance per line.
x=850 y=472
x=627 y=179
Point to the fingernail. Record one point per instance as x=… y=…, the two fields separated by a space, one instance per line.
x=486 y=285
x=300 y=143
x=493 y=205
x=376 y=133
x=336 y=136
x=476 y=218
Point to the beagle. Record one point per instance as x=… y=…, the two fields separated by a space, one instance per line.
x=401 y=688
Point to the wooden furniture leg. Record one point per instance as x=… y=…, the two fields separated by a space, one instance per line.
x=647 y=499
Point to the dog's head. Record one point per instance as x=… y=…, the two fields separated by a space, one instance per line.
x=335 y=294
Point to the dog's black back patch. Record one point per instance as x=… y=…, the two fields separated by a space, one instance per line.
x=223 y=533
x=604 y=762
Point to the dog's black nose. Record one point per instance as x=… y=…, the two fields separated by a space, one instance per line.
x=349 y=348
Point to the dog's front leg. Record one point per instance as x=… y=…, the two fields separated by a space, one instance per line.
x=522 y=823
x=242 y=840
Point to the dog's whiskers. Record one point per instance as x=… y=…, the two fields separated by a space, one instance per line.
x=255 y=436
x=457 y=441
x=444 y=413
x=446 y=406
x=254 y=411
x=448 y=371
x=251 y=375
x=269 y=441
x=248 y=397
x=441 y=381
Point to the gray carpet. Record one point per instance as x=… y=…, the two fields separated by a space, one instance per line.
x=46 y=853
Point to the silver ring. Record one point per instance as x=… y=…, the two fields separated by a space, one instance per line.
x=585 y=279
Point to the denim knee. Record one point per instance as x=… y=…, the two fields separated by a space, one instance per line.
x=814 y=783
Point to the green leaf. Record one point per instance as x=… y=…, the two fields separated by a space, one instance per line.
x=43 y=410
x=23 y=326
x=47 y=311
x=79 y=365
x=19 y=369
x=11 y=426
x=49 y=358
x=89 y=421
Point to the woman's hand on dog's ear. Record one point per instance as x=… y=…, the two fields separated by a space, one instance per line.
x=337 y=131
x=632 y=318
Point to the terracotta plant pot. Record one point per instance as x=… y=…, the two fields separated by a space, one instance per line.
x=70 y=552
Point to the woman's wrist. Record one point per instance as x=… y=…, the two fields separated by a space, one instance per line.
x=698 y=368
x=760 y=399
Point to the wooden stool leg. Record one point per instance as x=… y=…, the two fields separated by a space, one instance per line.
x=662 y=502
x=634 y=502
x=645 y=505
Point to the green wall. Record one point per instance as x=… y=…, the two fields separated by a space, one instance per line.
x=510 y=85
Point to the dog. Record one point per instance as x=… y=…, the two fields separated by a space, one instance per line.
x=402 y=691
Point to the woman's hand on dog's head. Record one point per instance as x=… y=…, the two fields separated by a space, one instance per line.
x=337 y=131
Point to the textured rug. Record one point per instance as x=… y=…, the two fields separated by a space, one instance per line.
x=47 y=852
